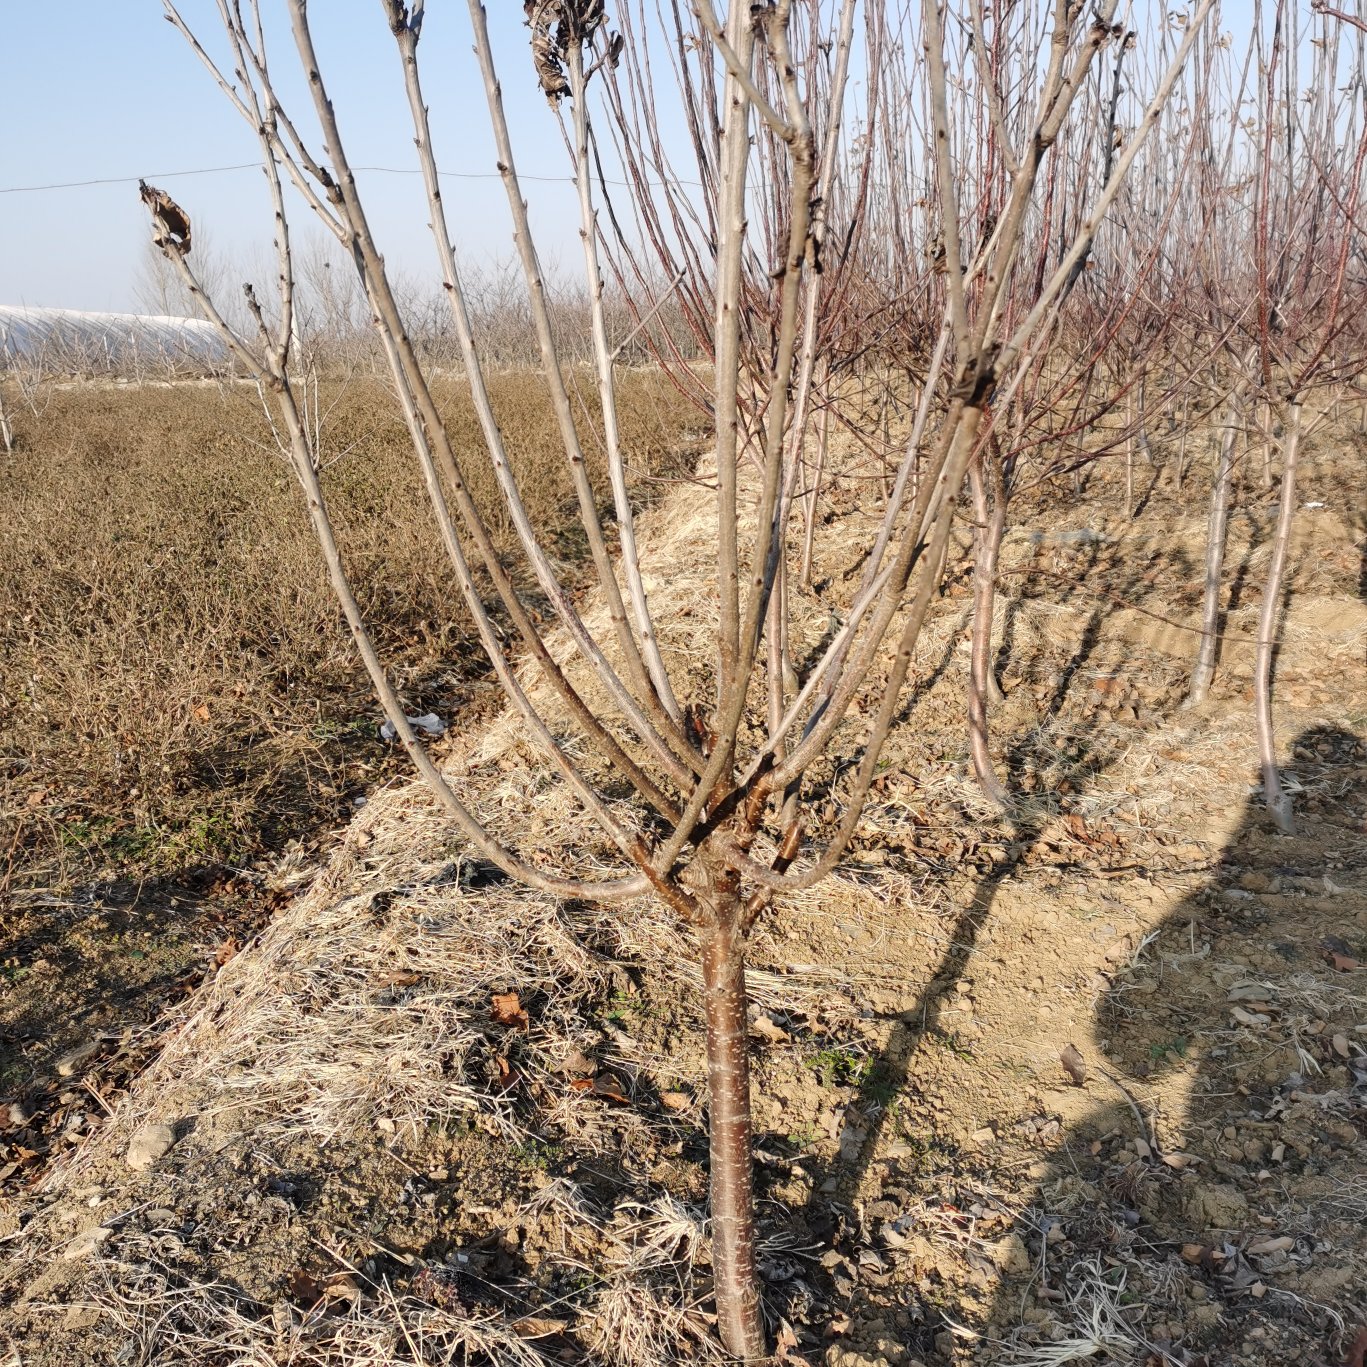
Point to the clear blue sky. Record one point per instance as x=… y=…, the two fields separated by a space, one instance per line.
x=98 y=89
x=106 y=89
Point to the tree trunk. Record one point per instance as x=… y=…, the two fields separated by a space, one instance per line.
x=1181 y=469
x=1216 y=528
x=814 y=492
x=1278 y=802
x=1129 y=458
x=1265 y=431
x=739 y=1319
x=990 y=522
x=1141 y=435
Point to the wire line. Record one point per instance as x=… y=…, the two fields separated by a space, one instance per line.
x=253 y=165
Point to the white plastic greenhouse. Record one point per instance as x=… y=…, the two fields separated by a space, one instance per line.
x=66 y=341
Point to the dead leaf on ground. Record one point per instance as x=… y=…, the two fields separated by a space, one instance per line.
x=303 y=1289
x=785 y=1346
x=577 y=1063
x=1339 y=954
x=1357 y=1351
x=538 y=1326
x=507 y=1010
x=1074 y=1064
x=604 y=1085
x=608 y=1087
x=508 y=1076
x=769 y=1029
x=401 y=978
x=1248 y=991
x=343 y=1289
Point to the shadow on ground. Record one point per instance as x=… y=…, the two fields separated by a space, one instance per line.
x=1200 y=1196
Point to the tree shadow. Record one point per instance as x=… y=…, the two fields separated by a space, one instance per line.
x=1155 y=478
x=1258 y=533
x=1154 y=1213
x=829 y=1218
x=87 y=991
x=1199 y=1201
x=1362 y=569
x=834 y=1217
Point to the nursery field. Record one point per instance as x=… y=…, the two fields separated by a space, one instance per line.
x=183 y=721
x=1081 y=1081
x=755 y=755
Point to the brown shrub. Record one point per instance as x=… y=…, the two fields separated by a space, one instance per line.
x=176 y=686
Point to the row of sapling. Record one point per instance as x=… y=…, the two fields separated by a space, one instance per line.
x=47 y=348
x=672 y=213
x=1307 y=270
x=1272 y=233
x=334 y=322
x=718 y=762
x=1235 y=314
x=43 y=346
x=1214 y=331
x=28 y=368
x=1046 y=421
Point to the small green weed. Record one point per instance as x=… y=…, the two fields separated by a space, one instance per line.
x=880 y=1085
x=622 y=1005
x=358 y=728
x=925 y=1156
x=840 y=1066
x=539 y=1153
x=201 y=837
x=1177 y=1045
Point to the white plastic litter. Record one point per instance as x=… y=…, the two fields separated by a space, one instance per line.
x=429 y=724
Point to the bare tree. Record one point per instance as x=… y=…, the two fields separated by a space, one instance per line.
x=717 y=763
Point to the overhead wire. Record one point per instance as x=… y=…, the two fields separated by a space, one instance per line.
x=253 y=165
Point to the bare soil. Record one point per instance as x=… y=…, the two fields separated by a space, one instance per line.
x=1087 y=1082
